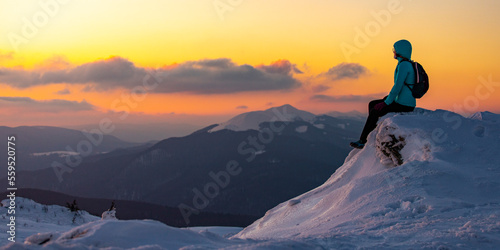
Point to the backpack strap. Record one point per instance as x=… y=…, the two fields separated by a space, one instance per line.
x=408 y=85
x=414 y=68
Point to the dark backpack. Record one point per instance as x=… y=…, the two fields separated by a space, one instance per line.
x=421 y=81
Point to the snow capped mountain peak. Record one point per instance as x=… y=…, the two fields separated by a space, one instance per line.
x=252 y=120
x=486 y=116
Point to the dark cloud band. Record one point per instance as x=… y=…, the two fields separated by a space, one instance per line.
x=346 y=98
x=48 y=106
x=218 y=76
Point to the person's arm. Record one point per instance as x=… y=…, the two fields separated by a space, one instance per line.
x=399 y=81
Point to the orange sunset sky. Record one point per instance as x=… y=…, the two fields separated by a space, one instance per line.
x=65 y=63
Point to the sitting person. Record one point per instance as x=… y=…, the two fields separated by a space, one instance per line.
x=400 y=99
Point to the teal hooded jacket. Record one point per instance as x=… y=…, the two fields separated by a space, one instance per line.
x=404 y=73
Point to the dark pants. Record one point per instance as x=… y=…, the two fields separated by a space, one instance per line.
x=373 y=115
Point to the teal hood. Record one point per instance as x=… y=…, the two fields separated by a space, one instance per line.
x=403 y=48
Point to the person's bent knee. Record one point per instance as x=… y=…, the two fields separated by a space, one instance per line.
x=373 y=103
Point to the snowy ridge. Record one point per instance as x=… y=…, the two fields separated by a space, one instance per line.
x=444 y=193
x=61 y=154
x=122 y=234
x=251 y=120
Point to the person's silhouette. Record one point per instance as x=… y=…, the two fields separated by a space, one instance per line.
x=400 y=99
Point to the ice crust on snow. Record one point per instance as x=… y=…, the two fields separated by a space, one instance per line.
x=426 y=179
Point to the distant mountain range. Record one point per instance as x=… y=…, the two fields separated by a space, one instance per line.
x=38 y=146
x=142 y=133
x=243 y=166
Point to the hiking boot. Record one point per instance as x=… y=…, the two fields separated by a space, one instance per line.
x=357 y=144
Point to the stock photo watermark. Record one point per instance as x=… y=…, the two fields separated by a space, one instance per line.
x=249 y=148
x=222 y=7
x=48 y=9
x=11 y=187
x=364 y=35
x=95 y=137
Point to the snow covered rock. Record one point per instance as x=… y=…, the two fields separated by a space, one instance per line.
x=109 y=215
x=394 y=145
x=389 y=146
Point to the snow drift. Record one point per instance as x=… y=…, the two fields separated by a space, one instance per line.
x=122 y=234
x=424 y=179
